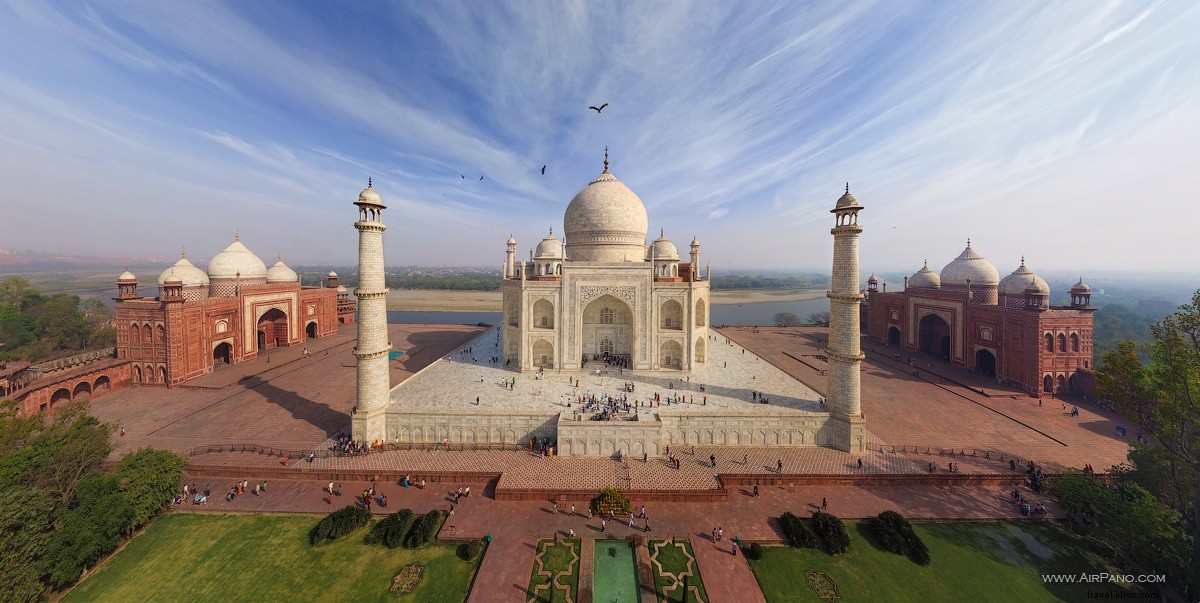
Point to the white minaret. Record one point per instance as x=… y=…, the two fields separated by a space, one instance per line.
x=510 y=262
x=695 y=258
x=371 y=352
x=843 y=349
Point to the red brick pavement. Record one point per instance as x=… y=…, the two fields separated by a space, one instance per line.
x=727 y=577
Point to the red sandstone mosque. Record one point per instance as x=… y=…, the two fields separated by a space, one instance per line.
x=229 y=314
x=1003 y=328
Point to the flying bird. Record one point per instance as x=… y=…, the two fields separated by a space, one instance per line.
x=600 y=108
x=461 y=176
x=543 y=170
x=481 y=178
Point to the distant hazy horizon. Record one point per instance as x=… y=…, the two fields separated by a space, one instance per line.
x=1061 y=131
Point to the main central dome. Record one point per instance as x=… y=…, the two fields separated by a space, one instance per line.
x=606 y=222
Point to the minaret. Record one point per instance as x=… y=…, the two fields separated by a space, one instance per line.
x=371 y=353
x=850 y=432
x=510 y=262
x=695 y=259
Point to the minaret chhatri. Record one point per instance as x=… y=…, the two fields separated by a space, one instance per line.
x=371 y=353
x=845 y=357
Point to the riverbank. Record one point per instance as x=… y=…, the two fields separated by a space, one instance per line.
x=428 y=300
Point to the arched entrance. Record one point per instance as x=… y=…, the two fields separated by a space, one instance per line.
x=607 y=328
x=985 y=361
x=934 y=336
x=223 y=354
x=670 y=355
x=82 y=391
x=59 y=396
x=102 y=385
x=1048 y=384
x=272 y=329
x=893 y=335
x=699 y=350
x=137 y=374
x=543 y=354
x=310 y=331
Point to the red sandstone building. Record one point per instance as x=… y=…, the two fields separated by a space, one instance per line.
x=229 y=314
x=1005 y=329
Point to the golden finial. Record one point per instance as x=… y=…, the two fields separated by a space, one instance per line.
x=368 y=182
x=237 y=235
x=606 y=158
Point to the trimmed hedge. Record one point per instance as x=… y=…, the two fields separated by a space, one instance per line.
x=391 y=530
x=832 y=532
x=339 y=523
x=611 y=502
x=755 y=552
x=470 y=550
x=797 y=532
x=895 y=534
x=423 y=530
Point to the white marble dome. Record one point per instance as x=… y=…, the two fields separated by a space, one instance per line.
x=280 y=273
x=606 y=222
x=185 y=271
x=925 y=278
x=1022 y=279
x=1081 y=287
x=662 y=249
x=549 y=248
x=236 y=260
x=127 y=276
x=970 y=265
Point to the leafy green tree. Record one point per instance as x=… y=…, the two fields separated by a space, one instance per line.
x=787 y=319
x=27 y=518
x=1163 y=395
x=149 y=479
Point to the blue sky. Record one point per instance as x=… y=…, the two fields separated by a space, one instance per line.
x=1063 y=131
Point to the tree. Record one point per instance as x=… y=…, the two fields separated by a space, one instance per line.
x=27 y=517
x=820 y=319
x=1163 y=395
x=787 y=319
x=149 y=479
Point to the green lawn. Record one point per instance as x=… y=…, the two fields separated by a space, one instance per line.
x=674 y=561
x=972 y=561
x=558 y=557
x=198 y=557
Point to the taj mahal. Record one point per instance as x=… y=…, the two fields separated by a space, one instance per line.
x=604 y=348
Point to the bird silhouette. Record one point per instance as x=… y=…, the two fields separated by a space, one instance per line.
x=600 y=108
x=481 y=178
x=543 y=170
x=461 y=176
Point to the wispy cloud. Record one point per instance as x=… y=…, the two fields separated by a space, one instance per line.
x=1013 y=123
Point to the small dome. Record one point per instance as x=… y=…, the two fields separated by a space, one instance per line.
x=606 y=222
x=873 y=280
x=1081 y=287
x=280 y=273
x=695 y=242
x=1036 y=286
x=970 y=265
x=341 y=290
x=550 y=248
x=925 y=278
x=846 y=200
x=368 y=196
x=511 y=240
x=331 y=274
x=662 y=249
x=186 y=272
x=235 y=261
x=1018 y=282
x=173 y=280
x=127 y=276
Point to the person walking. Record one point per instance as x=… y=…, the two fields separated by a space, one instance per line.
x=824 y=503
x=603 y=524
x=720 y=533
x=779 y=466
x=572 y=509
x=631 y=519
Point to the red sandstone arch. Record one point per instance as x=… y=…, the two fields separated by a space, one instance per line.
x=272 y=329
x=81 y=391
x=102 y=385
x=162 y=374
x=310 y=330
x=137 y=374
x=934 y=335
x=223 y=353
x=1048 y=384
x=59 y=396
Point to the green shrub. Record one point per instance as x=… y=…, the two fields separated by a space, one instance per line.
x=797 y=532
x=893 y=533
x=755 y=551
x=149 y=479
x=423 y=530
x=832 y=532
x=470 y=550
x=611 y=502
x=391 y=530
x=339 y=523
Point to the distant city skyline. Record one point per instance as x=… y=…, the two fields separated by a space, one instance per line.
x=1060 y=131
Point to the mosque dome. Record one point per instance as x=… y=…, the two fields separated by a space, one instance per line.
x=331 y=274
x=873 y=280
x=280 y=273
x=969 y=265
x=511 y=240
x=1036 y=285
x=549 y=248
x=127 y=276
x=846 y=200
x=606 y=222
x=173 y=280
x=190 y=275
x=1021 y=280
x=662 y=249
x=235 y=261
x=368 y=196
x=695 y=242
x=925 y=278
x=1081 y=287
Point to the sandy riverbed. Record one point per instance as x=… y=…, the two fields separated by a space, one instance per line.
x=427 y=300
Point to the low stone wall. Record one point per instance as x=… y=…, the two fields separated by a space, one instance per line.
x=1013 y=480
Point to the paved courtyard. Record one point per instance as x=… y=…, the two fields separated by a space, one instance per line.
x=726 y=384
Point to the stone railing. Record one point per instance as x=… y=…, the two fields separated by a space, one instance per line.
x=45 y=368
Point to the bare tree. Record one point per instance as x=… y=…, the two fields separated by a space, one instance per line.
x=819 y=319
x=787 y=319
